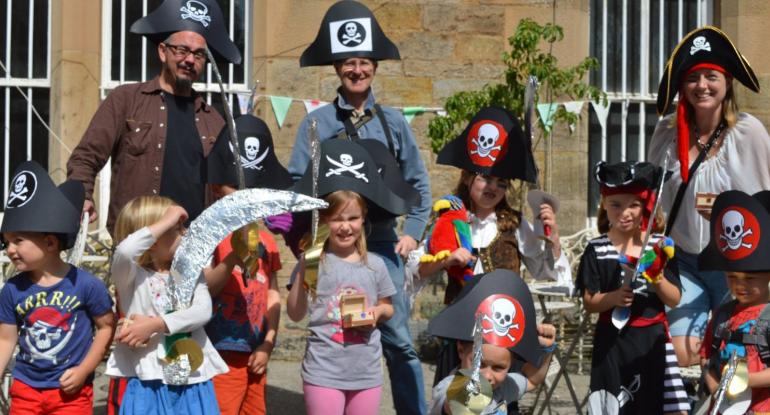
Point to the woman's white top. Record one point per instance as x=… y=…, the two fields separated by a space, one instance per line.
x=143 y=291
x=742 y=163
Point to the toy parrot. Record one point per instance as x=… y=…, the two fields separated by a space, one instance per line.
x=654 y=260
x=450 y=231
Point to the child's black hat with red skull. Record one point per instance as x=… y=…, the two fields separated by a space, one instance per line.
x=493 y=143
x=740 y=233
x=508 y=314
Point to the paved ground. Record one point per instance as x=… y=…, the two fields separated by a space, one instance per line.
x=284 y=391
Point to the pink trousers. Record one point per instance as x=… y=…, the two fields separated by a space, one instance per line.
x=328 y=401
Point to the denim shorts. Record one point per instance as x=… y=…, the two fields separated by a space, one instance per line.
x=702 y=291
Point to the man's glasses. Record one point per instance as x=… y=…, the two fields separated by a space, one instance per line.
x=182 y=52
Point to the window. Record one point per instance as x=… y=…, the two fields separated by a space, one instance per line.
x=632 y=39
x=25 y=53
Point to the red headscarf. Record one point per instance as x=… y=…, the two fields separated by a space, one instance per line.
x=682 y=120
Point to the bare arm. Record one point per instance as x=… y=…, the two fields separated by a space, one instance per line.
x=601 y=302
x=712 y=383
x=383 y=311
x=296 y=304
x=536 y=376
x=261 y=355
x=760 y=379
x=9 y=336
x=459 y=256
x=668 y=293
x=217 y=276
x=74 y=378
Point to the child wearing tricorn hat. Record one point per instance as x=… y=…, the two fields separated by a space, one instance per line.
x=351 y=289
x=244 y=290
x=508 y=327
x=739 y=245
x=60 y=315
x=498 y=235
x=633 y=369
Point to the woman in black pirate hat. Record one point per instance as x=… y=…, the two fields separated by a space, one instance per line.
x=508 y=329
x=633 y=370
x=351 y=289
x=714 y=148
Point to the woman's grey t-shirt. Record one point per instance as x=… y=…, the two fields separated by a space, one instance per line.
x=346 y=359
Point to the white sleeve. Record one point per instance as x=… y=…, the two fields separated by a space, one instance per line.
x=436 y=406
x=194 y=316
x=533 y=254
x=124 y=266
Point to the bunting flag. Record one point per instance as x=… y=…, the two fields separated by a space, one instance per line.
x=410 y=112
x=573 y=107
x=601 y=112
x=313 y=104
x=281 y=107
x=546 y=112
x=243 y=102
x=441 y=113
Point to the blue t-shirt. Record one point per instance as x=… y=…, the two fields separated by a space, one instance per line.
x=55 y=325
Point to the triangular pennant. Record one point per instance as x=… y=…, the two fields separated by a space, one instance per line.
x=410 y=112
x=573 y=107
x=313 y=104
x=546 y=112
x=601 y=112
x=243 y=102
x=281 y=107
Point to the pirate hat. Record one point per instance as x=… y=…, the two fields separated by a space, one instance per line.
x=740 y=233
x=261 y=167
x=346 y=165
x=637 y=177
x=348 y=30
x=493 y=143
x=390 y=171
x=35 y=204
x=200 y=16
x=509 y=314
x=704 y=48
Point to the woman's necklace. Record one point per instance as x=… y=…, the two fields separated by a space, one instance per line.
x=714 y=137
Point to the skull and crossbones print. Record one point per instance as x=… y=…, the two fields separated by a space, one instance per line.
x=197 y=11
x=252 y=159
x=738 y=232
x=351 y=34
x=502 y=320
x=45 y=339
x=345 y=165
x=486 y=142
x=22 y=189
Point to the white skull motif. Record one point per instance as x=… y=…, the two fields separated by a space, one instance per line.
x=351 y=29
x=197 y=11
x=733 y=230
x=197 y=8
x=20 y=184
x=251 y=145
x=486 y=142
x=503 y=313
x=346 y=159
x=43 y=334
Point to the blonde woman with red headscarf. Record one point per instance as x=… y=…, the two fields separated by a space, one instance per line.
x=734 y=149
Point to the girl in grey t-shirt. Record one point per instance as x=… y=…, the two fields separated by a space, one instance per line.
x=342 y=372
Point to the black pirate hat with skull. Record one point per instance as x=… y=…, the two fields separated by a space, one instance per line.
x=200 y=16
x=388 y=168
x=508 y=314
x=348 y=30
x=493 y=143
x=36 y=204
x=346 y=165
x=740 y=233
x=261 y=167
